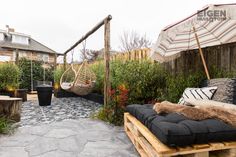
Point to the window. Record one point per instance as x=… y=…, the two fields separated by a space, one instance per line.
x=5 y=58
x=22 y=54
x=20 y=39
x=43 y=57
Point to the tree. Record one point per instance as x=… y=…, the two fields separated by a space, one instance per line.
x=132 y=41
x=90 y=55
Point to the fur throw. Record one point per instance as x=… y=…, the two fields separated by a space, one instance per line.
x=197 y=113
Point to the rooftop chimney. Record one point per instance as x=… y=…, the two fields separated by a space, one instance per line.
x=9 y=29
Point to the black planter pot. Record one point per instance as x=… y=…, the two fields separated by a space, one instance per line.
x=21 y=93
x=44 y=95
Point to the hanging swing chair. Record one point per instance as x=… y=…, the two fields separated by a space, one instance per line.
x=68 y=78
x=85 y=80
x=81 y=82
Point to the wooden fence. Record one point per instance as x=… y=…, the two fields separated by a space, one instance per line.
x=221 y=57
x=142 y=54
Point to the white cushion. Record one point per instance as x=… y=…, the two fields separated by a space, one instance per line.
x=195 y=102
x=204 y=93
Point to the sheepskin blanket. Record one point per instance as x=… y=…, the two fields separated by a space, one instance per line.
x=197 y=113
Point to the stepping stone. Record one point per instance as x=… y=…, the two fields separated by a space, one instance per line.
x=41 y=146
x=60 y=133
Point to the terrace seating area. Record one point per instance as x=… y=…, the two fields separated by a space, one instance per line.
x=174 y=134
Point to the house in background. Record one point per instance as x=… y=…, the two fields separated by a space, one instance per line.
x=15 y=45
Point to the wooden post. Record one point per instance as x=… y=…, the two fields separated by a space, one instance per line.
x=17 y=57
x=55 y=61
x=64 y=65
x=201 y=54
x=142 y=54
x=106 y=60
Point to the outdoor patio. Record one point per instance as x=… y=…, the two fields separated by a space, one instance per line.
x=61 y=108
x=64 y=129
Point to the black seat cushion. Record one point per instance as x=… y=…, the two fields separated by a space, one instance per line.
x=176 y=130
x=143 y=113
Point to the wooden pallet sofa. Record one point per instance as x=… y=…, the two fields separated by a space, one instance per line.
x=169 y=135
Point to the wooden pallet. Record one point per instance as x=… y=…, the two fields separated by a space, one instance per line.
x=149 y=146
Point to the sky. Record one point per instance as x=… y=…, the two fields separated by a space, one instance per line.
x=60 y=23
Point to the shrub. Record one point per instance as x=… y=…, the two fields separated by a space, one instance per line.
x=5 y=126
x=49 y=73
x=38 y=72
x=113 y=112
x=9 y=76
x=57 y=74
x=144 y=80
x=177 y=84
x=98 y=69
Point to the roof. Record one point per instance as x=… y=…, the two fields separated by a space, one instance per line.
x=33 y=45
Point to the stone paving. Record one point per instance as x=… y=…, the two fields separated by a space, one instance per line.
x=61 y=108
x=68 y=138
x=63 y=130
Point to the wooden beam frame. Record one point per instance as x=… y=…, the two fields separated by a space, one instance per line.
x=64 y=62
x=55 y=61
x=94 y=29
x=107 y=61
x=106 y=23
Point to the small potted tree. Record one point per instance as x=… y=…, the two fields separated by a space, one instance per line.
x=9 y=79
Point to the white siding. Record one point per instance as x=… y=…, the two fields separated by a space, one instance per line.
x=20 y=39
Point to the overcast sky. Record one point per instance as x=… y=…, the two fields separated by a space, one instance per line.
x=60 y=23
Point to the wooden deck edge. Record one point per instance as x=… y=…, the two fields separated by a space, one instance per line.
x=147 y=143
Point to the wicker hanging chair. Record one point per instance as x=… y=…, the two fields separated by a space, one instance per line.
x=68 y=78
x=85 y=80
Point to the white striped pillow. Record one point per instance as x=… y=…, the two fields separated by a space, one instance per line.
x=205 y=93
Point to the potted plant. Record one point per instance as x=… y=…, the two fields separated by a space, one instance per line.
x=9 y=78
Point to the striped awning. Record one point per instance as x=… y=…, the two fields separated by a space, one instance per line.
x=215 y=25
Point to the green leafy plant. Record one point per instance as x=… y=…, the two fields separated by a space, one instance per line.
x=57 y=74
x=5 y=126
x=144 y=79
x=98 y=69
x=9 y=76
x=38 y=72
x=177 y=84
x=147 y=83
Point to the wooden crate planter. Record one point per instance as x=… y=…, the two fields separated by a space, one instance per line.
x=149 y=146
